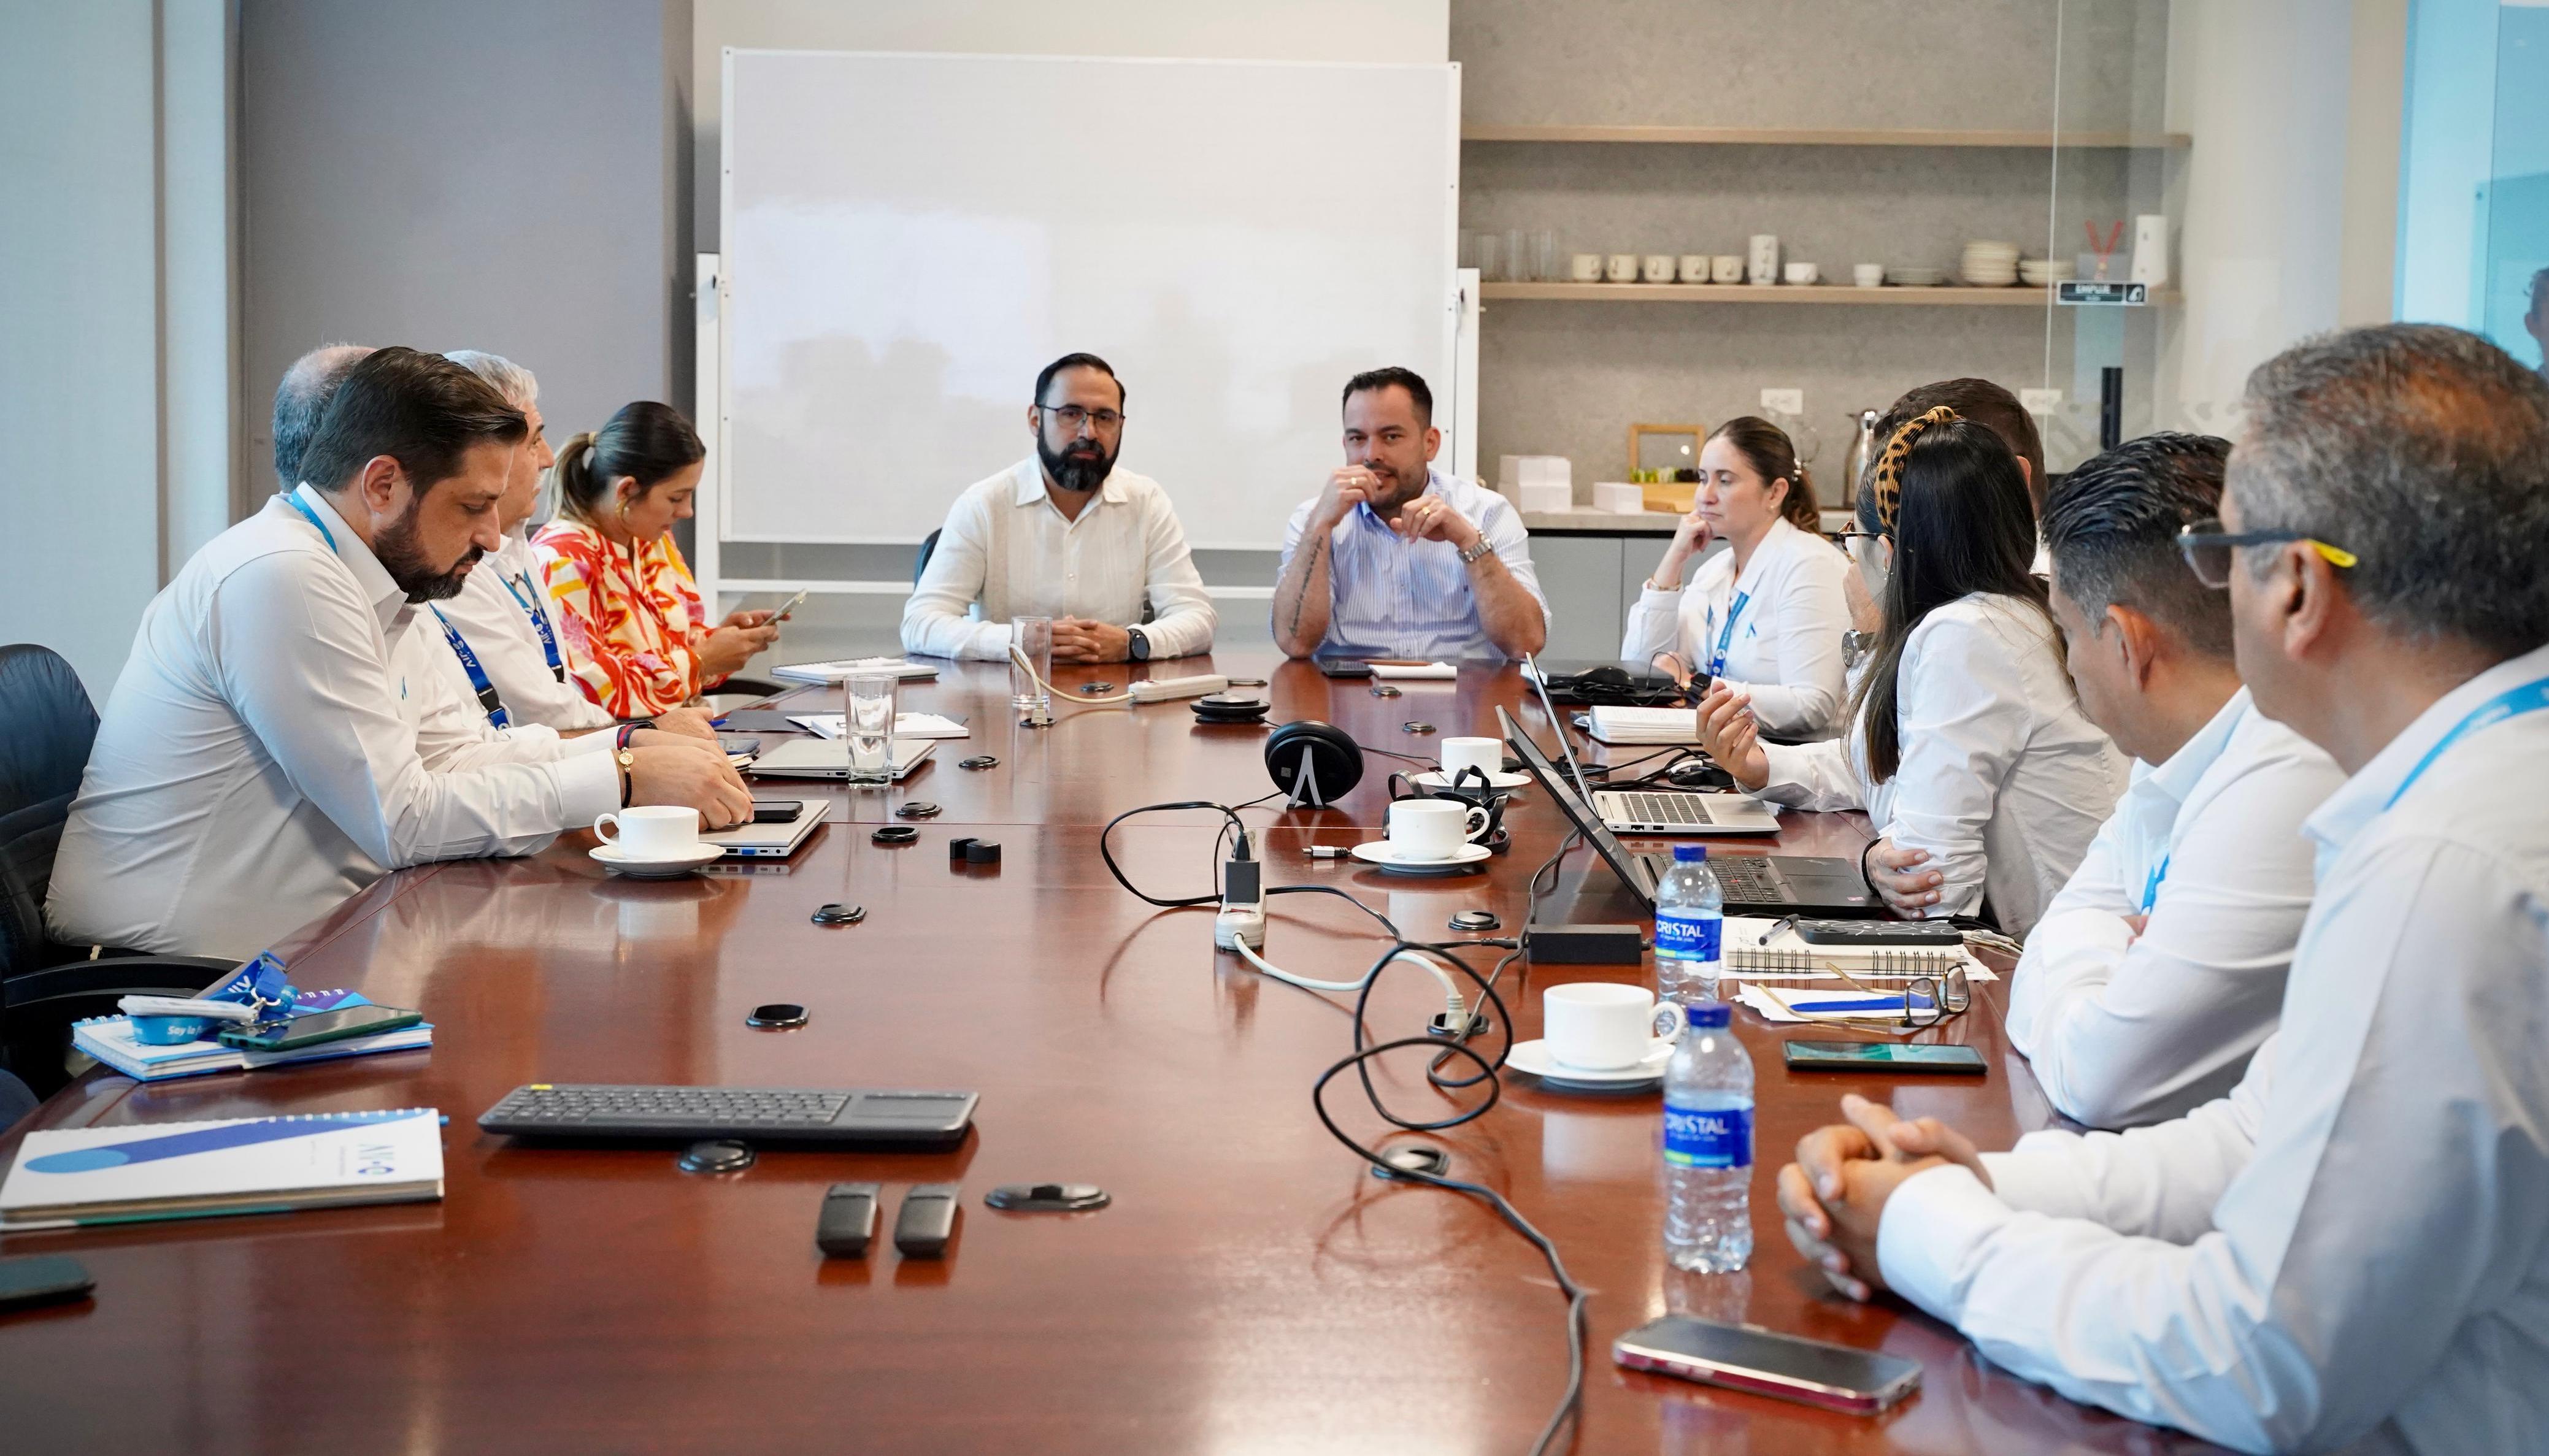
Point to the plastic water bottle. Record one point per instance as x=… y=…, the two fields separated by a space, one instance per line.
x=1708 y=1146
x=1691 y=923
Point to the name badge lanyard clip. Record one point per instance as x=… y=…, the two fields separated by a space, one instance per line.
x=1726 y=635
x=2513 y=702
x=527 y=596
x=488 y=698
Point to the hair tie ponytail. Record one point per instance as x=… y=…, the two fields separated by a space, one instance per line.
x=1887 y=483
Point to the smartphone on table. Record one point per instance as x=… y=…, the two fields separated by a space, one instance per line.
x=1881 y=1056
x=288 y=1032
x=777 y=811
x=1742 y=1357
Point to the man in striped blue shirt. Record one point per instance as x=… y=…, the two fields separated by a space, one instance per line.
x=1394 y=559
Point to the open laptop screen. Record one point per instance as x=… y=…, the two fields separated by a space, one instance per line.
x=1587 y=820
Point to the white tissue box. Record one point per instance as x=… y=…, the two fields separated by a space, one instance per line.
x=1538 y=499
x=1533 y=469
x=1620 y=496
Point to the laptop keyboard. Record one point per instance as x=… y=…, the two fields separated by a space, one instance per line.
x=1746 y=880
x=1664 y=808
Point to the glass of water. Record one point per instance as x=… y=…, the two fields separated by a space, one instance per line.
x=867 y=726
x=1033 y=638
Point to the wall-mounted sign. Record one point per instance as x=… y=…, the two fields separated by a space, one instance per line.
x=2129 y=294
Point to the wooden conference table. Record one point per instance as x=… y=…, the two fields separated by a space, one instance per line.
x=1253 y=1288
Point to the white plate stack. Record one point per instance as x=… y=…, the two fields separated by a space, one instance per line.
x=1990 y=264
x=1916 y=277
x=2044 y=272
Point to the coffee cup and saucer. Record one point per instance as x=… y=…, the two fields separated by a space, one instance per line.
x=652 y=842
x=1600 y=1036
x=1486 y=755
x=1429 y=837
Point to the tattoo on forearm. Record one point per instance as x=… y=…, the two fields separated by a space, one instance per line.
x=1302 y=589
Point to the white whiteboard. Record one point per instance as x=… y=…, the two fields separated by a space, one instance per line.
x=909 y=238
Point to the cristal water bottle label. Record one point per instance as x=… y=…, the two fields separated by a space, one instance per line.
x=1707 y=1136
x=1688 y=934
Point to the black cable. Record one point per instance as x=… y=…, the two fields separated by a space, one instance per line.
x=1329 y=889
x=1387 y=753
x=1230 y=821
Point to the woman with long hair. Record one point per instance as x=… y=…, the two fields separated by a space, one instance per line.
x=1765 y=615
x=1965 y=743
x=631 y=611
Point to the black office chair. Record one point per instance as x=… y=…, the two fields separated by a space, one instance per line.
x=45 y=728
x=928 y=548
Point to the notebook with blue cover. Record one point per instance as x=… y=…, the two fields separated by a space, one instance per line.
x=239 y=1165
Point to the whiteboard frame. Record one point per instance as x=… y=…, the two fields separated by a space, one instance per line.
x=711 y=407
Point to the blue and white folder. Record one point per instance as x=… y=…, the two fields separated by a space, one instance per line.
x=110 y=1040
x=241 y=1165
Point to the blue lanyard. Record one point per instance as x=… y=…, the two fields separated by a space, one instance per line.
x=2151 y=886
x=294 y=500
x=488 y=698
x=1725 y=636
x=2512 y=703
x=539 y=620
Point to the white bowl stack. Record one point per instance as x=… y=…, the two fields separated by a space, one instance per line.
x=2045 y=272
x=1989 y=264
x=1910 y=277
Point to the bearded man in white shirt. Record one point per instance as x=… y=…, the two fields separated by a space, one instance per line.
x=262 y=758
x=2347 y=1251
x=1064 y=534
x=2158 y=969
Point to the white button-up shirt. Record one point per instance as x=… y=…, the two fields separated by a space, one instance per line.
x=1007 y=552
x=262 y=758
x=1390 y=596
x=495 y=614
x=2123 y=1030
x=2353 y=1246
x=2003 y=779
x=1786 y=647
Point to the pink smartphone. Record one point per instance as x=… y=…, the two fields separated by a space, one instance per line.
x=1743 y=1358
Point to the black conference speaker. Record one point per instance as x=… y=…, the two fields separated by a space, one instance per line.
x=1315 y=764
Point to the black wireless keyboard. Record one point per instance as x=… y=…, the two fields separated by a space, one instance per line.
x=829 y=1117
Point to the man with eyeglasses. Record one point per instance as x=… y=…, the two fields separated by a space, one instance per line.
x=1064 y=534
x=2352 y=1250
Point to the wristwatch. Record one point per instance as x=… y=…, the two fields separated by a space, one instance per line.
x=1138 y=646
x=1476 y=549
x=626 y=759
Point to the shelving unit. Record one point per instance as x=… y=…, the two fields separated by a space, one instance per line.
x=1740 y=293
x=1803 y=137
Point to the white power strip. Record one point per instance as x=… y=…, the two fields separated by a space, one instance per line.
x=1169 y=690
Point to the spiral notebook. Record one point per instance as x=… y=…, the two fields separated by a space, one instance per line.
x=241 y=1166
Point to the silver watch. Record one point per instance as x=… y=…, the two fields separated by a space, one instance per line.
x=1477 y=548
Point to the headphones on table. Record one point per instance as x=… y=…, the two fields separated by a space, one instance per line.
x=1314 y=764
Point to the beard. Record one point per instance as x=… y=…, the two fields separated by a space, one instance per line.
x=1395 y=490
x=1081 y=466
x=404 y=557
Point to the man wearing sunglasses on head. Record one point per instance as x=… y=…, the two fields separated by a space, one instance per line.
x=1064 y=534
x=2347 y=1250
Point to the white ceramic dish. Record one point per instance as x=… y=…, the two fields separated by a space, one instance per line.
x=1378 y=852
x=672 y=869
x=1533 y=1058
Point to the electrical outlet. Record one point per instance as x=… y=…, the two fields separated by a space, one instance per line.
x=2040 y=402
x=1784 y=401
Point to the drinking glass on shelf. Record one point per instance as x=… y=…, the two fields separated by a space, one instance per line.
x=1490 y=256
x=867 y=726
x=1545 y=267
x=1033 y=638
x=1518 y=255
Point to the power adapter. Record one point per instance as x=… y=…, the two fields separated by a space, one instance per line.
x=1242 y=920
x=1584 y=945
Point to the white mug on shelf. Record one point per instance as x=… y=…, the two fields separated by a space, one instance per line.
x=1694 y=268
x=1868 y=275
x=1804 y=273
x=1606 y=1026
x=1659 y=268
x=1623 y=268
x=1726 y=268
x=1585 y=267
x=1764 y=269
x=1484 y=753
x=650 y=831
x=1433 y=829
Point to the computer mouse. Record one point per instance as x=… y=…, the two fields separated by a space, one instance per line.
x=1698 y=775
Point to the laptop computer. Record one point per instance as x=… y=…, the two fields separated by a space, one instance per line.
x=1607 y=683
x=1801 y=885
x=829 y=757
x=768 y=840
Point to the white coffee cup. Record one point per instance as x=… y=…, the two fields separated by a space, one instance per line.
x=1868 y=275
x=650 y=831
x=1804 y=273
x=1486 y=755
x=1432 y=829
x=1585 y=267
x=1694 y=267
x=1660 y=267
x=1726 y=268
x=1623 y=268
x=1606 y=1026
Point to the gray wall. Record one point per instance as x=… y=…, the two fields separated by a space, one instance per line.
x=466 y=174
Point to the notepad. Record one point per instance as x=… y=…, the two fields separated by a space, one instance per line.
x=241 y=1166
x=835 y=670
x=906 y=725
x=1415 y=672
x=1632 y=725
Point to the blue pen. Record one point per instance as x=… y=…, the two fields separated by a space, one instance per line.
x=1863 y=1003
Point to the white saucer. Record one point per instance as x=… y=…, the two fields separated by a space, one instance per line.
x=1436 y=779
x=616 y=863
x=1533 y=1058
x=1378 y=852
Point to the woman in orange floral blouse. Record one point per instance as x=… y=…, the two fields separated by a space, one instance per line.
x=631 y=611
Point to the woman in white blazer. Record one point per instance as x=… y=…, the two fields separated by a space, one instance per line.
x=1765 y=615
x=1966 y=741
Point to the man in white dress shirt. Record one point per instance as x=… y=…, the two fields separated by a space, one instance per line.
x=2158 y=970
x=262 y=758
x=1064 y=534
x=2349 y=1250
x=1394 y=559
x=500 y=615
